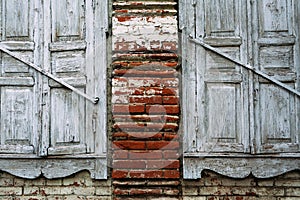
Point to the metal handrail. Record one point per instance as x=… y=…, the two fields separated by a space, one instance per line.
x=248 y=67
x=49 y=75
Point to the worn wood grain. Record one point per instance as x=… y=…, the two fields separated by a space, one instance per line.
x=237 y=113
x=240 y=167
x=40 y=117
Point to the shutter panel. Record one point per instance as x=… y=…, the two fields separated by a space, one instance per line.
x=69 y=57
x=276 y=52
x=221 y=85
x=18 y=88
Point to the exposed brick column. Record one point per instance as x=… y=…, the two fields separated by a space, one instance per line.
x=145 y=100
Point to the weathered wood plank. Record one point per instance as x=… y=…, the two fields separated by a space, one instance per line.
x=18 y=46
x=239 y=167
x=90 y=77
x=67 y=20
x=17 y=116
x=45 y=97
x=67 y=46
x=67 y=150
x=16 y=81
x=17 y=12
x=78 y=82
x=101 y=59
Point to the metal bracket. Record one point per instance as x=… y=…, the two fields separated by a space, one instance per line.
x=49 y=75
x=248 y=67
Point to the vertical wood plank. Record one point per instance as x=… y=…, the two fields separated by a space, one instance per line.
x=189 y=79
x=17 y=12
x=297 y=63
x=44 y=141
x=90 y=73
x=16 y=116
x=276 y=25
x=100 y=63
x=67 y=19
x=200 y=71
x=37 y=59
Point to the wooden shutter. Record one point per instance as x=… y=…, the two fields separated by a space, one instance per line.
x=68 y=54
x=74 y=32
x=18 y=83
x=276 y=52
x=221 y=103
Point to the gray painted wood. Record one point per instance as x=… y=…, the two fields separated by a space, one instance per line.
x=276 y=111
x=40 y=117
x=189 y=80
x=237 y=113
x=17 y=82
x=240 y=167
x=220 y=85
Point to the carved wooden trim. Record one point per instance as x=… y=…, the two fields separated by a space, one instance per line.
x=240 y=167
x=53 y=167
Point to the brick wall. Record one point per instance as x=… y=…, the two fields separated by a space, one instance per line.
x=145 y=100
x=214 y=187
x=78 y=186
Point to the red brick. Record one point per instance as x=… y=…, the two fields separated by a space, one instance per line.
x=145 y=154
x=125 y=46
x=146 y=191
x=170 y=154
x=144 y=73
x=170 y=118
x=159 y=109
x=120 y=135
x=170 y=91
x=171 y=100
x=120 y=154
x=171 y=174
x=118 y=191
x=120 y=109
x=171 y=64
x=171 y=191
x=162 y=126
x=127 y=91
x=161 y=91
x=142 y=118
x=153 y=90
x=171 y=46
x=170 y=82
x=129 y=125
x=119 y=82
x=119 y=64
x=145 y=135
x=146 y=99
x=138 y=108
x=156 y=145
x=144 y=82
x=119 y=174
x=129 y=164
x=159 y=56
x=124 y=18
x=146 y=174
x=129 y=145
x=160 y=164
x=171 y=136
